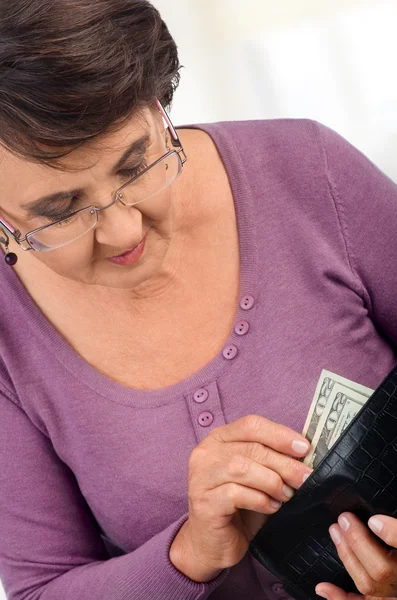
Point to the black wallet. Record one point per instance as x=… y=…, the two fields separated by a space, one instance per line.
x=358 y=475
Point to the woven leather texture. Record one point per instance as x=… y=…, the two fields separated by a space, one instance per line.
x=358 y=475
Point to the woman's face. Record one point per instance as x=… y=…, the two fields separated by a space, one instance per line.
x=119 y=228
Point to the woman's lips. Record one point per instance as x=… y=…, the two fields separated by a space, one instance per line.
x=130 y=256
x=126 y=252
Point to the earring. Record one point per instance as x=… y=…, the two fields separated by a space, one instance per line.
x=10 y=258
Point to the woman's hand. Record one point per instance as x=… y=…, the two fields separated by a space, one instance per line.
x=372 y=567
x=238 y=474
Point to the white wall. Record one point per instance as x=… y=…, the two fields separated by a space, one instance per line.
x=333 y=61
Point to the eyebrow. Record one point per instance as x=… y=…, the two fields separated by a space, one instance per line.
x=135 y=151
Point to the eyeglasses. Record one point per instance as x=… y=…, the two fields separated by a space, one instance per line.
x=147 y=183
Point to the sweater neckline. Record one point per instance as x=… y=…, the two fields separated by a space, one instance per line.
x=87 y=374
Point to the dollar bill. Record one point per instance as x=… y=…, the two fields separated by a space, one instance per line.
x=318 y=405
x=343 y=405
x=336 y=402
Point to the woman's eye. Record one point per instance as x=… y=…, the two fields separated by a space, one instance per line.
x=132 y=172
x=59 y=217
x=127 y=173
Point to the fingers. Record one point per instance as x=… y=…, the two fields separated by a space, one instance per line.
x=251 y=474
x=353 y=566
x=254 y=428
x=373 y=557
x=228 y=498
x=290 y=470
x=230 y=469
x=332 y=592
x=385 y=528
x=267 y=470
x=372 y=567
x=253 y=465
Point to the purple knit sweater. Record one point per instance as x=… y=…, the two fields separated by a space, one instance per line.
x=93 y=474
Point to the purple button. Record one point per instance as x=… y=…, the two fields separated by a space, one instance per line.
x=277 y=589
x=241 y=327
x=247 y=302
x=230 y=352
x=205 y=419
x=200 y=395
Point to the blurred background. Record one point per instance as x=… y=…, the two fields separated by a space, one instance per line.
x=332 y=61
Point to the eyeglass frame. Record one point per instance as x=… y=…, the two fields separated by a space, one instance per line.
x=15 y=234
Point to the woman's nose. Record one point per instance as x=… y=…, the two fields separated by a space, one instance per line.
x=119 y=226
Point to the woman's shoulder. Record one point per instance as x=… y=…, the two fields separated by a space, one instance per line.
x=272 y=150
x=281 y=142
x=270 y=131
x=297 y=149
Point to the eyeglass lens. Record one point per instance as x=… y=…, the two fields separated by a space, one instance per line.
x=147 y=185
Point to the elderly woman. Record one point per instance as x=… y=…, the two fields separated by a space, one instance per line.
x=169 y=299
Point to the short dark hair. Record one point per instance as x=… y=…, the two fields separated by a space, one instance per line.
x=72 y=70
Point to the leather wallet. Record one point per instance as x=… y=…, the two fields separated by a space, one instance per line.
x=359 y=475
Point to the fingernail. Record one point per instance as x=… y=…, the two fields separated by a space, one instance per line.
x=335 y=535
x=306 y=475
x=288 y=491
x=300 y=446
x=322 y=595
x=375 y=524
x=274 y=503
x=344 y=523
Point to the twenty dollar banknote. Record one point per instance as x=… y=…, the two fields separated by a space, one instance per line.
x=336 y=402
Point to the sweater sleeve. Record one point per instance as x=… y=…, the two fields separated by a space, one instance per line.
x=50 y=543
x=366 y=203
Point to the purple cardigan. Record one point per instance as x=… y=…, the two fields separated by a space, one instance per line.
x=93 y=474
